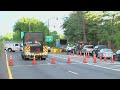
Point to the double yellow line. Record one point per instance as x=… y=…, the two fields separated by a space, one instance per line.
x=8 y=68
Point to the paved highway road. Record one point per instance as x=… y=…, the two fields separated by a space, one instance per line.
x=22 y=69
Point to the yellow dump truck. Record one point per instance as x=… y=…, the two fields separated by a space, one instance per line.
x=33 y=46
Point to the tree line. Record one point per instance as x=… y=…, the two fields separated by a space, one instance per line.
x=26 y=24
x=93 y=27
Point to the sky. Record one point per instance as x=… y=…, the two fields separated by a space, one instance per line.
x=9 y=18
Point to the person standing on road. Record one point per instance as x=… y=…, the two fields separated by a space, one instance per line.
x=79 y=48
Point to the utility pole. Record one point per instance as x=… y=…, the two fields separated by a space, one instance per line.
x=49 y=27
x=49 y=24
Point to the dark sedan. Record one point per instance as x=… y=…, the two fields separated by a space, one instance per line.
x=117 y=55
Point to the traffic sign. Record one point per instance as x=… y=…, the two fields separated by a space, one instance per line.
x=48 y=38
x=22 y=34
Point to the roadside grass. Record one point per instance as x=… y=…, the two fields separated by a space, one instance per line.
x=0 y=47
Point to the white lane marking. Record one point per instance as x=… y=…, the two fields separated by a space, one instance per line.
x=104 y=67
x=73 y=72
x=21 y=65
x=92 y=64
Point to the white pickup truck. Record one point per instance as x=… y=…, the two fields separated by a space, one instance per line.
x=12 y=47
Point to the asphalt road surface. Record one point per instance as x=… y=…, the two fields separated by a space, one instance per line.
x=76 y=69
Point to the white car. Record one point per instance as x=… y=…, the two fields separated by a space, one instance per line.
x=12 y=47
x=69 y=48
x=88 y=48
x=105 y=52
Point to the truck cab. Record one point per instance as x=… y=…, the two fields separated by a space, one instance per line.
x=33 y=46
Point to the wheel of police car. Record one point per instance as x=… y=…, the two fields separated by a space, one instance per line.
x=9 y=49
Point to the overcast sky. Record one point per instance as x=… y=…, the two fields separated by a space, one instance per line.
x=8 y=19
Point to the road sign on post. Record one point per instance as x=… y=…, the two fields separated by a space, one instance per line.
x=22 y=34
x=48 y=38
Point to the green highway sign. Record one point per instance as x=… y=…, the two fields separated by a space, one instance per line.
x=22 y=34
x=48 y=38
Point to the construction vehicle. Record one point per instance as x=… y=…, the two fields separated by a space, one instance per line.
x=61 y=43
x=33 y=45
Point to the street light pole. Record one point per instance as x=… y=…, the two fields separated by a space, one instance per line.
x=49 y=24
x=49 y=27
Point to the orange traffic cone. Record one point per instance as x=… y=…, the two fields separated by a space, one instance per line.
x=100 y=57
x=34 y=60
x=84 y=60
x=94 y=57
x=10 y=61
x=68 y=60
x=112 y=59
x=104 y=57
x=52 y=60
x=80 y=53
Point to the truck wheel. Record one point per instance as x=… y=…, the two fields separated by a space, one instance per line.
x=23 y=57
x=9 y=49
x=43 y=58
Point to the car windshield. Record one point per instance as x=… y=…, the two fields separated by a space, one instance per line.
x=107 y=50
x=89 y=47
x=70 y=46
x=21 y=44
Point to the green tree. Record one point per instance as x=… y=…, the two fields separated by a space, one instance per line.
x=29 y=25
x=7 y=36
x=80 y=26
x=73 y=26
x=96 y=28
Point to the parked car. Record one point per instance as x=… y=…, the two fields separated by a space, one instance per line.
x=63 y=48
x=116 y=55
x=69 y=49
x=87 y=48
x=12 y=47
x=105 y=52
x=97 y=48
